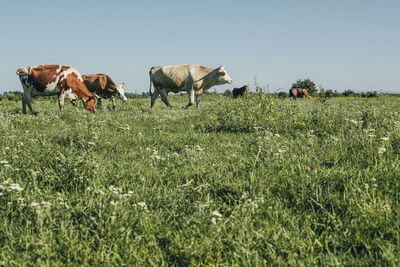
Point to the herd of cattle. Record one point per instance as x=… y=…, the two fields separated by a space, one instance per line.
x=69 y=85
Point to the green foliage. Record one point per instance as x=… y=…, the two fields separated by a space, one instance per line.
x=255 y=181
x=348 y=93
x=306 y=84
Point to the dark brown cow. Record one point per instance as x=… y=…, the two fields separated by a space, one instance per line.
x=236 y=92
x=328 y=93
x=64 y=81
x=103 y=86
x=298 y=92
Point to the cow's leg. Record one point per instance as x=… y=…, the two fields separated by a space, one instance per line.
x=197 y=101
x=154 y=97
x=164 y=97
x=84 y=103
x=27 y=100
x=24 y=104
x=191 y=98
x=113 y=102
x=73 y=102
x=61 y=101
x=98 y=103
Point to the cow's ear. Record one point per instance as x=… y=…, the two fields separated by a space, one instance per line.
x=122 y=84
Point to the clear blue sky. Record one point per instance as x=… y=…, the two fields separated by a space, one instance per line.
x=342 y=44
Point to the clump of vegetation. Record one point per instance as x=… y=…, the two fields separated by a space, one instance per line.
x=307 y=84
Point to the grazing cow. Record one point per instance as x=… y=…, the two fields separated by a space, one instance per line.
x=298 y=92
x=193 y=79
x=103 y=86
x=239 y=91
x=64 y=81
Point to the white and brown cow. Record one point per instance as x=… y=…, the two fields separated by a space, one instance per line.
x=103 y=86
x=194 y=79
x=64 y=81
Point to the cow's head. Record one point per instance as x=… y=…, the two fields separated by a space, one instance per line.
x=90 y=103
x=120 y=92
x=223 y=76
x=24 y=71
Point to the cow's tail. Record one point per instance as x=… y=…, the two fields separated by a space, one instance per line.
x=150 y=82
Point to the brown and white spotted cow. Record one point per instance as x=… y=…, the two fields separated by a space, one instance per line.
x=64 y=81
x=103 y=86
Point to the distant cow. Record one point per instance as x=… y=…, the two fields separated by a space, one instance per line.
x=236 y=92
x=298 y=92
x=328 y=93
x=194 y=79
x=64 y=81
x=103 y=86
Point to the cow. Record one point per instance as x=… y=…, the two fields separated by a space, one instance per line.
x=298 y=92
x=194 y=79
x=329 y=93
x=103 y=86
x=236 y=92
x=66 y=82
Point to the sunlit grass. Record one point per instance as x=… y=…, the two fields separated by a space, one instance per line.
x=250 y=181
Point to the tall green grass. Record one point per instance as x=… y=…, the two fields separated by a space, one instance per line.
x=251 y=181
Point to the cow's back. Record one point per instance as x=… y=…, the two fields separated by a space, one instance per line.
x=100 y=84
x=43 y=78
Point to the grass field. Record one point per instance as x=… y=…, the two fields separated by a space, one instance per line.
x=251 y=181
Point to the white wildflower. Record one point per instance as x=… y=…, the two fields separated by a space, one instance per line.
x=381 y=150
x=35 y=204
x=1 y=193
x=3 y=161
x=7 y=148
x=216 y=213
x=100 y=192
x=281 y=150
x=371 y=135
x=16 y=187
x=114 y=203
x=214 y=220
x=385 y=138
x=142 y=204
x=20 y=199
x=278 y=135
x=354 y=121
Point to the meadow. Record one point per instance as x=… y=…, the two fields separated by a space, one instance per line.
x=253 y=181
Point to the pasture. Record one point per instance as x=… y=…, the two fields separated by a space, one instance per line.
x=252 y=181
